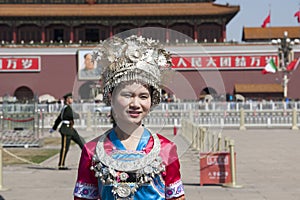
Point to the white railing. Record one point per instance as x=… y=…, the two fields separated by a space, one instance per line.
x=211 y=119
x=183 y=106
x=218 y=114
x=16 y=122
x=186 y=106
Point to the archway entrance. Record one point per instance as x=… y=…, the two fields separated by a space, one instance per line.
x=208 y=90
x=89 y=90
x=24 y=94
x=208 y=94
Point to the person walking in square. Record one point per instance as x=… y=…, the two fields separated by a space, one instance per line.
x=67 y=130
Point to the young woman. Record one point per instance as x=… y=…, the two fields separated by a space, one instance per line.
x=129 y=161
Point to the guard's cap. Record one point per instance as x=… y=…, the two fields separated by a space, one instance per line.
x=68 y=95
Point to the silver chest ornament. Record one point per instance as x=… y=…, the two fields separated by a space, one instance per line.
x=115 y=172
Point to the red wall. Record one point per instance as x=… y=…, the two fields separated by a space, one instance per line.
x=58 y=76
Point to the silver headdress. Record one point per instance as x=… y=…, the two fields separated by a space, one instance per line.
x=132 y=59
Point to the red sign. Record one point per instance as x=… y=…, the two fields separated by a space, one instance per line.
x=219 y=62
x=215 y=168
x=20 y=64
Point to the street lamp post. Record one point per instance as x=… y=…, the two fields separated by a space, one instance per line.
x=285 y=53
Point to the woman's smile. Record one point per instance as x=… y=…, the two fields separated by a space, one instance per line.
x=134 y=114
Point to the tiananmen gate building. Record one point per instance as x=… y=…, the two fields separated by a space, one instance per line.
x=43 y=44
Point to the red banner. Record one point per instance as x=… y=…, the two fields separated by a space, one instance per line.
x=20 y=64
x=232 y=62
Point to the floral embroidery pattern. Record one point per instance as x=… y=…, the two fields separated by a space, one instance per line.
x=174 y=190
x=86 y=191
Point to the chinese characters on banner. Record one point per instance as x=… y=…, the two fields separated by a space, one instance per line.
x=185 y=62
x=215 y=168
x=20 y=64
x=234 y=62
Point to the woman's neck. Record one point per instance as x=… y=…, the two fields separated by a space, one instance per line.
x=124 y=133
x=129 y=137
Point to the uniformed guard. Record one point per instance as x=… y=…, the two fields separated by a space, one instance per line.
x=67 y=131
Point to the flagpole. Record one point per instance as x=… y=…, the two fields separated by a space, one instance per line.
x=299 y=12
x=270 y=13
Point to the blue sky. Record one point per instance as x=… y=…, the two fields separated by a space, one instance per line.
x=253 y=12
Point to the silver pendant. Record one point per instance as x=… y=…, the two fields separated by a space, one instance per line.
x=123 y=176
x=123 y=190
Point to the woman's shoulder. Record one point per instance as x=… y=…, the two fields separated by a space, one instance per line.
x=164 y=140
x=92 y=143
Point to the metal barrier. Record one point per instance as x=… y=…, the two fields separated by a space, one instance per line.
x=20 y=126
x=217 y=162
x=233 y=183
x=201 y=138
x=222 y=115
x=182 y=106
x=241 y=119
x=2 y=188
x=186 y=106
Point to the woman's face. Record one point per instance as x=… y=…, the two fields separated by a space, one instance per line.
x=131 y=103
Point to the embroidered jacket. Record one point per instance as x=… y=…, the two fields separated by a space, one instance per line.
x=168 y=185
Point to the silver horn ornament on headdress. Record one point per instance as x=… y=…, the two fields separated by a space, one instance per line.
x=134 y=58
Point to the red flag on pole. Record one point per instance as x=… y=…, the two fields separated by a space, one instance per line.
x=293 y=65
x=266 y=21
x=297 y=14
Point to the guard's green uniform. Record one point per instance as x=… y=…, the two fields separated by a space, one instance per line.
x=68 y=132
